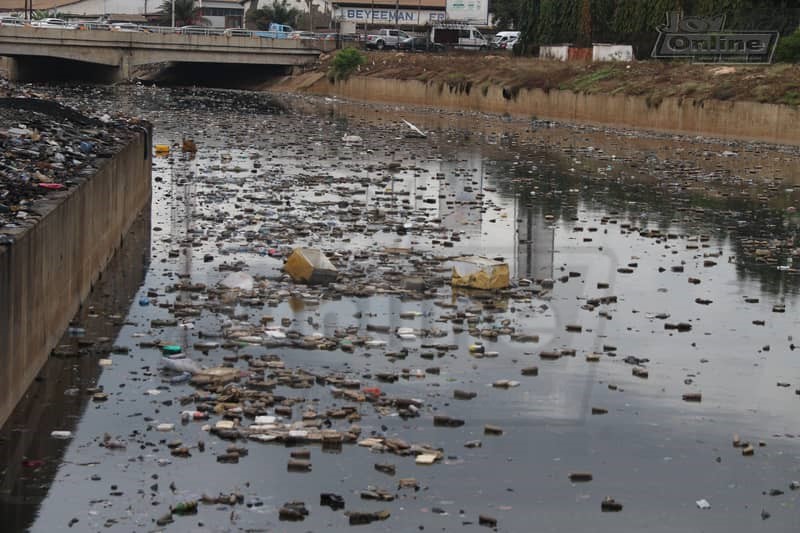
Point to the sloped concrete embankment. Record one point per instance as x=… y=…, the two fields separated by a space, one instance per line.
x=743 y=120
x=51 y=267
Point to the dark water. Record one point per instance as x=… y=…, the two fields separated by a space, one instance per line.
x=271 y=174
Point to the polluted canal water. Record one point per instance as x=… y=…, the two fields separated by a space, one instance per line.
x=637 y=372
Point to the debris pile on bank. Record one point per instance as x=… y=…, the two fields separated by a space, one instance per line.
x=46 y=147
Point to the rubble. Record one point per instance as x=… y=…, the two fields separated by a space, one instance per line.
x=309 y=265
x=479 y=273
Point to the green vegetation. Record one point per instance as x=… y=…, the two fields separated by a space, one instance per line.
x=723 y=91
x=345 y=63
x=586 y=82
x=40 y=14
x=788 y=49
x=546 y=22
x=187 y=13
x=278 y=12
x=790 y=98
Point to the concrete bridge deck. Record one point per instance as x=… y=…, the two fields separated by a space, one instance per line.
x=122 y=51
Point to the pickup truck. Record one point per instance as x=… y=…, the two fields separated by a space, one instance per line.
x=275 y=31
x=386 y=38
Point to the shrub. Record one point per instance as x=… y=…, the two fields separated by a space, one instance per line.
x=345 y=63
x=788 y=49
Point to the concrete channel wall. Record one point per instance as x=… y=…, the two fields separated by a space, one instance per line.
x=715 y=118
x=51 y=267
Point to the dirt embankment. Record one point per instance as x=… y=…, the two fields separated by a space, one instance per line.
x=654 y=80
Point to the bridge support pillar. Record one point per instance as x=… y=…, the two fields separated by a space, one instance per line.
x=12 y=68
x=123 y=72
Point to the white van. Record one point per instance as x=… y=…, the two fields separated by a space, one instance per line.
x=505 y=39
x=458 y=36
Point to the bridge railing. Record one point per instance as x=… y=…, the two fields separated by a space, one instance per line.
x=322 y=41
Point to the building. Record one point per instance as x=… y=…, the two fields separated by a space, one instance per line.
x=215 y=13
x=407 y=14
x=222 y=13
x=124 y=10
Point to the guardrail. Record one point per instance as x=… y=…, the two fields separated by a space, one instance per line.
x=192 y=30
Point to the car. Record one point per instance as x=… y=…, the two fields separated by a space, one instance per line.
x=93 y=26
x=456 y=35
x=275 y=31
x=53 y=23
x=126 y=27
x=11 y=21
x=386 y=38
x=302 y=35
x=502 y=39
x=238 y=32
x=198 y=30
x=419 y=44
x=509 y=44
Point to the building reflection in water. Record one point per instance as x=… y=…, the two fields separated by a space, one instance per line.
x=535 y=242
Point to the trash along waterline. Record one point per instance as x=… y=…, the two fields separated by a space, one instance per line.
x=316 y=396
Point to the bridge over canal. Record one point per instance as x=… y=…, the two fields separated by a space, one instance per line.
x=115 y=54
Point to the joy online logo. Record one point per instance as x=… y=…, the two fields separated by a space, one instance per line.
x=703 y=39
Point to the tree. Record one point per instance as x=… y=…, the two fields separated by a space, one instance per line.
x=40 y=14
x=279 y=12
x=528 y=22
x=310 y=5
x=506 y=13
x=584 y=38
x=186 y=13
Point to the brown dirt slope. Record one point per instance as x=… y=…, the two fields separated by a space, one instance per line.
x=654 y=80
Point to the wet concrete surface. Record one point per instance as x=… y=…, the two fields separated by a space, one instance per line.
x=707 y=246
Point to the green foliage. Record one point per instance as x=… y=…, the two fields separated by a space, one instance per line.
x=634 y=22
x=279 y=12
x=506 y=13
x=186 y=13
x=345 y=63
x=586 y=83
x=529 y=20
x=791 y=98
x=40 y=14
x=788 y=49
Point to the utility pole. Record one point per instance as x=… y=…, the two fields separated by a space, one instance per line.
x=173 y=13
x=396 y=11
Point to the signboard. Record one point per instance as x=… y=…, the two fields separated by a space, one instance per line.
x=704 y=39
x=383 y=15
x=471 y=11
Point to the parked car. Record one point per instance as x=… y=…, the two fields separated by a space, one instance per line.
x=419 y=44
x=462 y=36
x=238 y=32
x=93 y=26
x=11 y=21
x=54 y=23
x=509 y=45
x=198 y=30
x=275 y=31
x=503 y=38
x=126 y=27
x=386 y=38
